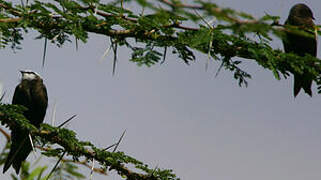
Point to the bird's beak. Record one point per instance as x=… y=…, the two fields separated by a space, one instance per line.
x=313 y=18
x=21 y=71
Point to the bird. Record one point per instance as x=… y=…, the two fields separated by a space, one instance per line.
x=302 y=16
x=32 y=94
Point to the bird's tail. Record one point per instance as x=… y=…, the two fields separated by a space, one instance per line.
x=301 y=82
x=9 y=159
x=19 y=151
x=307 y=87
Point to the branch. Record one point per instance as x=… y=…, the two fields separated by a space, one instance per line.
x=11 y=115
x=8 y=137
x=164 y=29
x=10 y=20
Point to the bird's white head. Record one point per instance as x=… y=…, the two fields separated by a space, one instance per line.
x=29 y=75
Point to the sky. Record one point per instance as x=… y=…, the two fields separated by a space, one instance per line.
x=177 y=116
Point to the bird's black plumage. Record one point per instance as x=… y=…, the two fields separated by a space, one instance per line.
x=301 y=15
x=32 y=94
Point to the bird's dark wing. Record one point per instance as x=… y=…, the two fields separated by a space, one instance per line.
x=39 y=103
x=301 y=45
x=21 y=96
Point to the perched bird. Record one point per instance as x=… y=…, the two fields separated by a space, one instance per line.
x=32 y=94
x=301 y=15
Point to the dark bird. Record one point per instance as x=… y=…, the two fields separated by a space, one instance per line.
x=32 y=94
x=301 y=15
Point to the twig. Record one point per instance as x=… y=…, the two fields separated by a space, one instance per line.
x=10 y=20
x=8 y=137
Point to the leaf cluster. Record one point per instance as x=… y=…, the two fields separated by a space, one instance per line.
x=227 y=33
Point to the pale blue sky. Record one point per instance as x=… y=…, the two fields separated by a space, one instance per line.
x=180 y=116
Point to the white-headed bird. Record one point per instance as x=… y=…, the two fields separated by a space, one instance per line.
x=32 y=94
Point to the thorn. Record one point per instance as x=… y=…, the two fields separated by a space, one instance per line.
x=219 y=69
x=109 y=147
x=44 y=53
x=143 y=10
x=54 y=168
x=208 y=25
x=1 y=34
x=2 y=96
x=105 y=54
x=22 y=3
x=53 y=119
x=211 y=40
x=115 y=59
x=62 y=124
x=33 y=147
x=92 y=169
x=114 y=46
x=76 y=43
x=164 y=56
x=121 y=137
x=96 y=9
x=209 y=52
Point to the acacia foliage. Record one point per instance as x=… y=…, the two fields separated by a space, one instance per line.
x=169 y=25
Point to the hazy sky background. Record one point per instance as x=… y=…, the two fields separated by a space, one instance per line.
x=180 y=116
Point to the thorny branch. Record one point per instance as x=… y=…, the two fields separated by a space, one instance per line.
x=84 y=162
x=90 y=154
x=11 y=116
